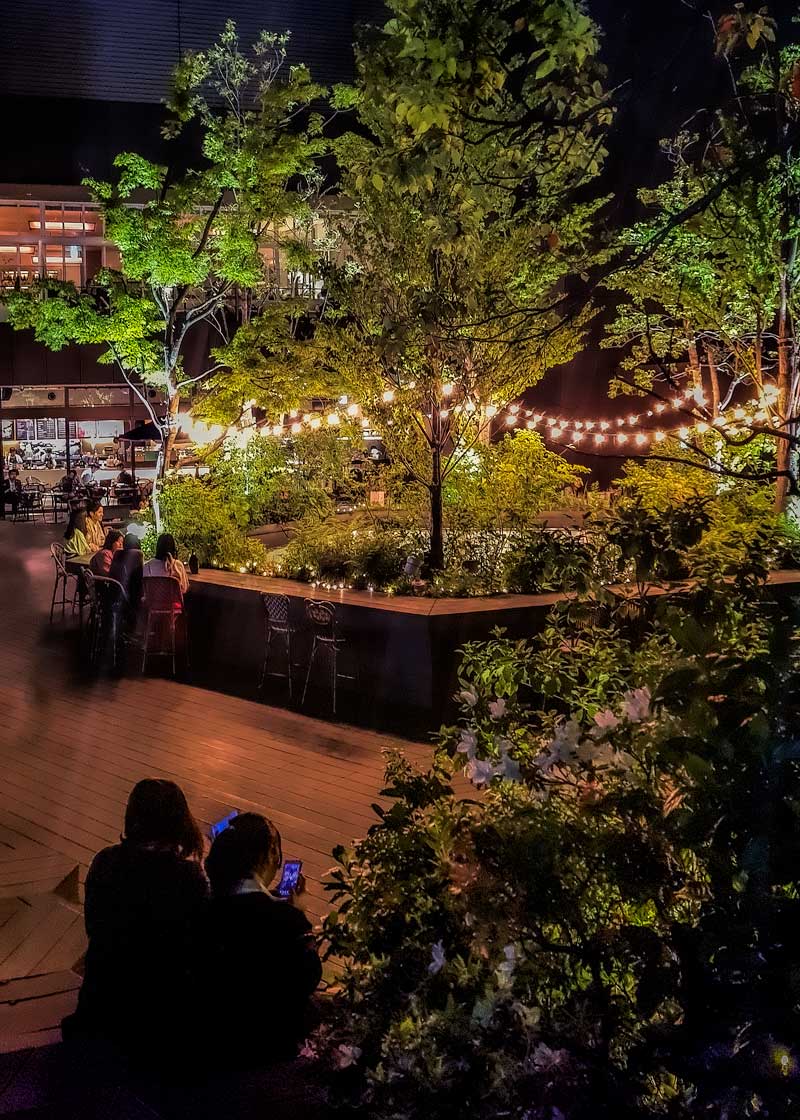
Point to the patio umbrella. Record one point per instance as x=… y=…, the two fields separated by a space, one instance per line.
x=143 y=432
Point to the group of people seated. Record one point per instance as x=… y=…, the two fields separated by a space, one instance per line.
x=178 y=943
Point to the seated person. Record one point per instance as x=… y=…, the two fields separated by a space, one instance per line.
x=166 y=562
x=75 y=542
x=100 y=564
x=259 y=965
x=125 y=478
x=95 y=533
x=12 y=490
x=69 y=483
x=126 y=568
x=142 y=898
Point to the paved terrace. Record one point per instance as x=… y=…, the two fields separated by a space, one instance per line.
x=72 y=748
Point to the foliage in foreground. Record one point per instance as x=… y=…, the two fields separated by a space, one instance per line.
x=609 y=928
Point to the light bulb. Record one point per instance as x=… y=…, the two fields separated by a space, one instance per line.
x=333 y=419
x=577 y=437
x=352 y=410
x=388 y=396
x=683 y=433
x=701 y=426
x=511 y=420
x=444 y=413
x=491 y=410
x=622 y=438
x=598 y=439
x=604 y=425
x=659 y=437
x=633 y=420
x=296 y=427
x=277 y=430
x=513 y=408
x=659 y=407
x=447 y=388
x=589 y=425
x=315 y=423
x=641 y=439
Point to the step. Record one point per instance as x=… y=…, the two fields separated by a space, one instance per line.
x=32 y=1007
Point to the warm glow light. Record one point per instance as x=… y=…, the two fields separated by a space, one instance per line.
x=701 y=426
x=447 y=389
x=333 y=419
x=511 y=420
x=296 y=427
x=683 y=433
x=83 y=227
x=444 y=413
x=277 y=430
x=491 y=410
x=599 y=439
x=604 y=425
x=622 y=438
x=577 y=436
x=676 y=402
x=659 y=437
x=641 y=439
x=352 y=410
x=659 y=407
x=315 y=423
x=513 y=408
x=698 y=395
x=633 y=420
x=388 y=396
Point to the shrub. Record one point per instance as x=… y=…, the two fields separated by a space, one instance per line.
x=359 y=551
x=197 y=515
x=552 y=560
x=608 y=931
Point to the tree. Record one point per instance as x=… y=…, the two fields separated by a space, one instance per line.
x=479 y=126
x=712 y=281
x=191 y=238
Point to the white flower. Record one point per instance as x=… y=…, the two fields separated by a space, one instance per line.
x=505 y=970
x=544 y=1059
x=344 y=1055
x=497 y=709
x=468 y=744
x=469 y=697
x=479 y=771
x=507 y=768
x=438 y=959
x=636 y=704
x=606 y=720
x=563 y=748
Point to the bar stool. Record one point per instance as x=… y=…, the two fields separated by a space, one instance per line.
x=322 y=618
x=62 y=579
x=276 y=622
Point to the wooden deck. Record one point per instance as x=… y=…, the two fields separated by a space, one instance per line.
x=71 y=749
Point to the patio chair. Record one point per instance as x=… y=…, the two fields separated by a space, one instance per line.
x=108 y=602
x=322 y=618
x=62 y=580
x=276 y=624
x=162 y=603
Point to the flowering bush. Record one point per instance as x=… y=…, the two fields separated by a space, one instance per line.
x=605 y=925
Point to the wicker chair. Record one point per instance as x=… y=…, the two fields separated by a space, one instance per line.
x=62 y=580
x=162 y=603
x=276 y=624
x=322 y=618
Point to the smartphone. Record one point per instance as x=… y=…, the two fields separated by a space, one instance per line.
x=290 y=877
x=220 y=826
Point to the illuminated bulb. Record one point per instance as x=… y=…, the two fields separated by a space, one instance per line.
x=676 y=402
x=641 y=439
x=333 y=419
x=701 y=426
x=659 y=407
x=352 y=410
x=277 y=430
x=649 y=412
x=589 y=425
x=633 y=420
x=659 y=437
x=511 y=420
x=444 y=413
x=604 y=425
x=698 y=395
x=538 y=417
x=292 y=414
x=306 y=417
x=739 y=413
x=469 y=406
x=761 y=415
x=620 y=421
x=578 y=425
x=577 y=437
x=296 y=427
x=364 y=422
x=491 y=410
x=622 y=438
x=598 y=439
x=719 y=422
x=447 y=388
x=683 y=433
x=514 y=408
x=315 y=423
x=557 y=433
x=771 y=392
x=343 y=399
x=388 y=396
x=530 y=424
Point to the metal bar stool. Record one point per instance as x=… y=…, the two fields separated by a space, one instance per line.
x=62 y=579
x=276 y=623
x=322 y=618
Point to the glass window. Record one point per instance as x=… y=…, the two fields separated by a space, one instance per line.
x=61 y=429
x=85 y=396
x=25 y=429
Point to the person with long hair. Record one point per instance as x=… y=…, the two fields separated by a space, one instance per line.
x=75 y=542
x=100 y=563
x=95 y=533
x=259 y=963
x=166 y=562
x=143 y=900
x=126 y=569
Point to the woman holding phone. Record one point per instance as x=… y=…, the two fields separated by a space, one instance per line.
x=259 y=964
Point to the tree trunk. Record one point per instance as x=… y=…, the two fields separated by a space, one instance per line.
x=171 y=433
x=714 y=380
x=785 y=453
x=437 y=528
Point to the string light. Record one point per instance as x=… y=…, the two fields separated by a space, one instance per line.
x=659 y=437
x=333 y=419
x=447 y=389
x=352 y=410
x=622 y=438
x=491 y=410
x=641 y=439
x=388 y=396
x=315 y=422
